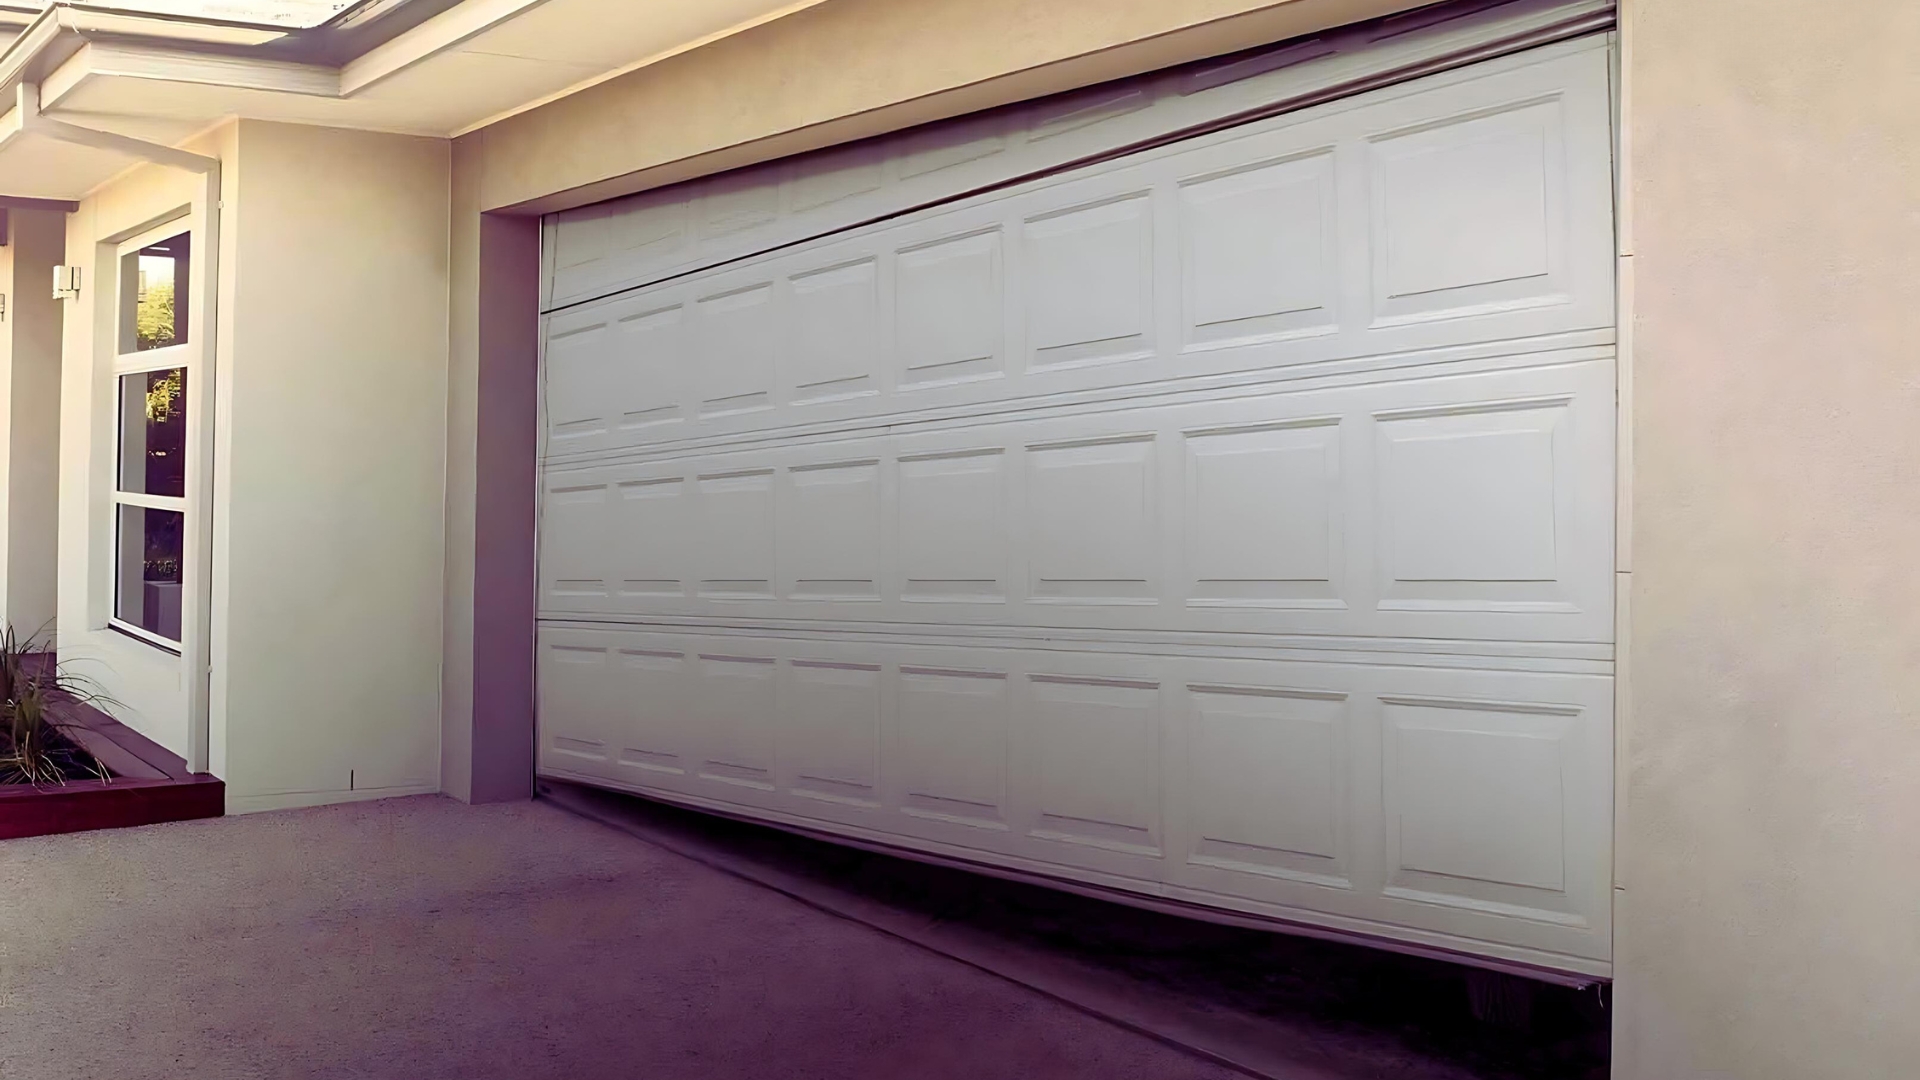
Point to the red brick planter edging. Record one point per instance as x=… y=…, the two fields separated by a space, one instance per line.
x=149 y=785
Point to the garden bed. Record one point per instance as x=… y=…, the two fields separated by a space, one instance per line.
x=147 y=783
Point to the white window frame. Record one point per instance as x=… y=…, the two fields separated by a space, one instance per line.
x=183 y=356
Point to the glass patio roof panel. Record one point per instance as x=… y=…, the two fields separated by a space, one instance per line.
x=279 y=14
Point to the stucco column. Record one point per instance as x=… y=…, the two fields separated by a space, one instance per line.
x=1767 y=924
x=30 y=419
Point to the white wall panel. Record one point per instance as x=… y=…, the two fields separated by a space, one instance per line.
x=1231 y=521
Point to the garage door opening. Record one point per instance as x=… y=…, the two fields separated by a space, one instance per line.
x=1225 y=524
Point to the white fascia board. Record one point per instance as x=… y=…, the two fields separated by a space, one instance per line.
x=444 y=31
x=102 y=59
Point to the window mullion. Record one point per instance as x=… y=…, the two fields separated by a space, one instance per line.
x=153 y=362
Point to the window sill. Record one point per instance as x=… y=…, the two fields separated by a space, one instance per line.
x=171 y=648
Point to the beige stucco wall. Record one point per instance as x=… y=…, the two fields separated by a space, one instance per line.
x=329 y=448
x=1769 y=925
x=328 y=669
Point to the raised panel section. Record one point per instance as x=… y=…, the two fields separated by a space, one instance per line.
x=574 y=692
x=830 y=730
x=578 y=375
x=739 y=339
x=646 y=372
x=651 y=228
x=831 y=352
x=823 y=181
x=943 y=146
x=1474 y=500
x=744 y=199
x=1264 y=520
x=1269 y=782
x=830 y=539
x=652 y=543
x=1467 y=214
x=1093 y=522
x=953 y=527
x=1086 y=108
x=1088 y=287
x=736 y=554
x=1258 y=257
x=952 y=740
x=1095 y=762
x=947 y=310
x=735 y=696
x=651 y=688
x=574 y=556
x=1477 y=802
x=583 y=237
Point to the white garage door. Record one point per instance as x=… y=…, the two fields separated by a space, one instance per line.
x=1229 y=522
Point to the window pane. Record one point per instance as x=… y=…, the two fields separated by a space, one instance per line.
x=147 y=569
x=153 y=432
x=153 y=300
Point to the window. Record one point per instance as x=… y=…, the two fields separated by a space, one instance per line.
x=151 y=372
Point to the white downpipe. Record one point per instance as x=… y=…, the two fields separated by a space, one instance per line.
x=196 y=648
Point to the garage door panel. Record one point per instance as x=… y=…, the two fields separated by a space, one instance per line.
x=829 y=729
x=1471 y=214
x=1087 y=278
x=1260 y=257
x=1231 y=521
x=834 y=351
x=1266 y=524
x=657 y=234
x=1456 y=800
x=1477 y=506
x=949 y=309
x=1267 y=788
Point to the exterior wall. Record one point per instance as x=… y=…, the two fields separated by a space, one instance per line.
x=1766 y=926
x=329 y=405
x=1770 y=633
x=332 y=447
x=30 y=420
